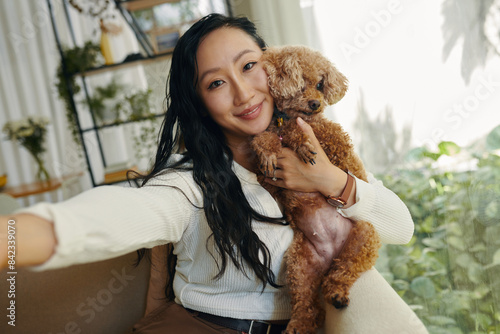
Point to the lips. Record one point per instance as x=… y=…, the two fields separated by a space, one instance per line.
x=251 y=112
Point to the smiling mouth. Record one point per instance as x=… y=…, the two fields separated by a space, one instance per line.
x=250 y=112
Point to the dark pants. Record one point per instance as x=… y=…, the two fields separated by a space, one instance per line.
x=172 y=318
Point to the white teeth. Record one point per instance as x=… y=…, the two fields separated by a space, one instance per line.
x=251 y=112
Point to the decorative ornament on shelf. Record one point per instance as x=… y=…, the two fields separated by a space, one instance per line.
x=30 y=133
x=3 y=180
x=108 y=29
x=105 y=11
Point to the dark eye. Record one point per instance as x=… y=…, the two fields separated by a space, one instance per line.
x=249 y=66
x=215 y=84
x=319 y=85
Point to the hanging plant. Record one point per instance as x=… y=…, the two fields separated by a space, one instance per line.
x=145 y=140
x=77 y=60
x=140 y=106
x=140 y=110
x=103 y=102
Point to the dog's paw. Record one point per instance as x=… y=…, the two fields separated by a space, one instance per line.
x=306 y=152
x=268 y=164
x=300 y=327
x=339 y=301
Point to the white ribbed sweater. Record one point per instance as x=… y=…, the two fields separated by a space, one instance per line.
x=110 y=221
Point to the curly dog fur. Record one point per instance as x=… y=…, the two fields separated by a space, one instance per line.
x=302 y=83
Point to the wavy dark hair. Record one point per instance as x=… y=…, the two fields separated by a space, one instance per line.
x=186 y=128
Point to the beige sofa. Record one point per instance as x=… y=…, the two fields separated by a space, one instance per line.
x=105 y=297
x=110 y=297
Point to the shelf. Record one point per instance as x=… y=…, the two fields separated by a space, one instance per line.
x=125 y=64
x=155 y=46
x=110 y=125
x=119 y=176
x=132 y=5
x=38 y=187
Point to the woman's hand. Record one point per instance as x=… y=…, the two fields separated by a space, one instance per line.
x=32 y=240
x=322 y=176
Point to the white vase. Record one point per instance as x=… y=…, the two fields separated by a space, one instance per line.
x=115 y=149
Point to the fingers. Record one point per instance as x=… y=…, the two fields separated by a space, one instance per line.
x=307 y=129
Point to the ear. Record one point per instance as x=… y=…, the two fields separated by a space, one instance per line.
x=335 y=85
x=284 y=72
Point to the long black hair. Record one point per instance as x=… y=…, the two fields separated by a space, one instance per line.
x=186 y=128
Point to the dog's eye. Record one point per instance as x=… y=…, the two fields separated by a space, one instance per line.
x=319 y=86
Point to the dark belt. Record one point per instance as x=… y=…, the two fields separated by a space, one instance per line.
x=246 y=326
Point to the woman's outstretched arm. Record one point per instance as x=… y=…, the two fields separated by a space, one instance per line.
x=26 y=239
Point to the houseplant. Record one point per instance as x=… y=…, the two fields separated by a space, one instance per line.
x=30 y=133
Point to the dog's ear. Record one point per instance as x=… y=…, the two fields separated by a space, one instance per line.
x=335 y=84
x=284 y=72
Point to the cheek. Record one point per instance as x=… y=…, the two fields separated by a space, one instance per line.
x=215 y=105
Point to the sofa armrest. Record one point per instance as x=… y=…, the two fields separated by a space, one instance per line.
x=104 y=297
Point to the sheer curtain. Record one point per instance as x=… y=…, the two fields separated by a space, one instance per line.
x=280 y=22
x=27 y=88
x=30 y=59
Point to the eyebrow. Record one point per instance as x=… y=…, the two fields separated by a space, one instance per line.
x=235 y=59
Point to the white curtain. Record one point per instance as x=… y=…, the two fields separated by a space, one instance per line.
x=279 y=22
x=29 y=58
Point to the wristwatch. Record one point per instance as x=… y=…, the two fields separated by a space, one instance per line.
x=340 y=201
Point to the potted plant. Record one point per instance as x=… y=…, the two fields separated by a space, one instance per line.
x=30 y=133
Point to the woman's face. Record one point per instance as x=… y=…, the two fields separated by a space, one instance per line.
x=233 y=84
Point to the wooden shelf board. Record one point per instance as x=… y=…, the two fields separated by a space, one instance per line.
x=125 y=64
x=119 y=176
x=133 y=5
x=38 y=187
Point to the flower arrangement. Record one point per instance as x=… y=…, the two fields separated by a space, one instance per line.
x=30 y=133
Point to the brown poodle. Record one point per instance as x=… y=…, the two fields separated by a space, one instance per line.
x=302 y=83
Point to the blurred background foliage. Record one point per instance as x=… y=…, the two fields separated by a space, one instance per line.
x=449 y=271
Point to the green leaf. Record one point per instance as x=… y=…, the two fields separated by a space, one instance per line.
x=455 y=229
x=416 y=154
x=457 y=243
x=480 y=247
x=475 y=273
x=464 y=260
x=448 y=148
x=423 y=287
x=441 y=320
x=493 y=139
x=434 y=243
x=491 y=210
x=480 y=292
x=447 y=330
x=496 y=258
x=482 y=320
x=400 y=285
x=400 y=270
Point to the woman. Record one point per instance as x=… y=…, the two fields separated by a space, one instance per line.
x=203 y=197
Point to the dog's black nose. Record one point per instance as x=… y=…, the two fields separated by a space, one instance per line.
x=314 y=104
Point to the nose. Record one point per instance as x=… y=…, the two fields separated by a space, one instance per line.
x=314 y=104
x=242 y=91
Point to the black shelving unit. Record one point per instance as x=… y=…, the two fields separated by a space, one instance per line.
x=148 y=55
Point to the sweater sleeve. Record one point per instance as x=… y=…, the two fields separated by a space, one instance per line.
x=111 y=221
x=382 y=208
